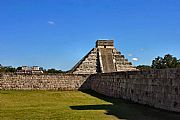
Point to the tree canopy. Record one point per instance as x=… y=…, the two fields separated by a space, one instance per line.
x=52 y=70
x=143 y=67
x=7 y=69
x=168 y=61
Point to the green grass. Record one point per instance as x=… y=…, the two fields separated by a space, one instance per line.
x=73 y=105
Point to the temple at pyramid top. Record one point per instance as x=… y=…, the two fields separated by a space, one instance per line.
x=104 y=44
x=104 y=58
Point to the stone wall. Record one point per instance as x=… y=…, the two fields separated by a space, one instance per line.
x=42 y=82
x=157 y=88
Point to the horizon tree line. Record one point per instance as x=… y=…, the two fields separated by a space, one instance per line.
x=6 y=69
x=168 y=61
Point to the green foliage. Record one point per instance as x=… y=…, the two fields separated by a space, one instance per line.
x=144 y=67
x=7 y=69
x=167 y=62
x=52 y=70
x=19 y=68
x=157 y=63
x=178 y=65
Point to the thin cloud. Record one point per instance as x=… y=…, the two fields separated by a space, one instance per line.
x=51 y=22
x=135 y=59
x=130 y=55
x=142 y=49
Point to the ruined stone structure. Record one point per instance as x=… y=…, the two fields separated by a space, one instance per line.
x=42 y=81
x=30 y=70
x=102 y=59
x=157 y=88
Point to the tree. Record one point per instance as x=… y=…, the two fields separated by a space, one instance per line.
x=7 y=69
x=52 y=70
x=170 y=61
x=144 y=67
x=178 y=64
x=157 y=63
x=19 y=68
x=167 y=62
x=10 y=69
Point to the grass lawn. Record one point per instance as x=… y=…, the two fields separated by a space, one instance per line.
x=73 y=105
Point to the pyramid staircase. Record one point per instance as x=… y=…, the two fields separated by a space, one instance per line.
x=102 y=59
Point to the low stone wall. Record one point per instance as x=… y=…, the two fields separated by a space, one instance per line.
x=157 y=88
x=42 y=82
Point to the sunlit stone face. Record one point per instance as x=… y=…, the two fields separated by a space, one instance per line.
x=105 y=44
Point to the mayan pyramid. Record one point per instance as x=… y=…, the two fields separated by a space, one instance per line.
x=104 y=58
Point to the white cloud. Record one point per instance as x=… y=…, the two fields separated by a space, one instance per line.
x=130 y=55
x=51 y=22
x=135 y=59
x=142 y=49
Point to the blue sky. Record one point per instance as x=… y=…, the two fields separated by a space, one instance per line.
x=58 y=33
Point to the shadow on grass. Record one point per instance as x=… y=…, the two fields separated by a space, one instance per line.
x=127 y=110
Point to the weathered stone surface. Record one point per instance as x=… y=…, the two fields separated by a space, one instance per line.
x=102 y=59
x=88 y=65
x=157 y=88
x=42 y=82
